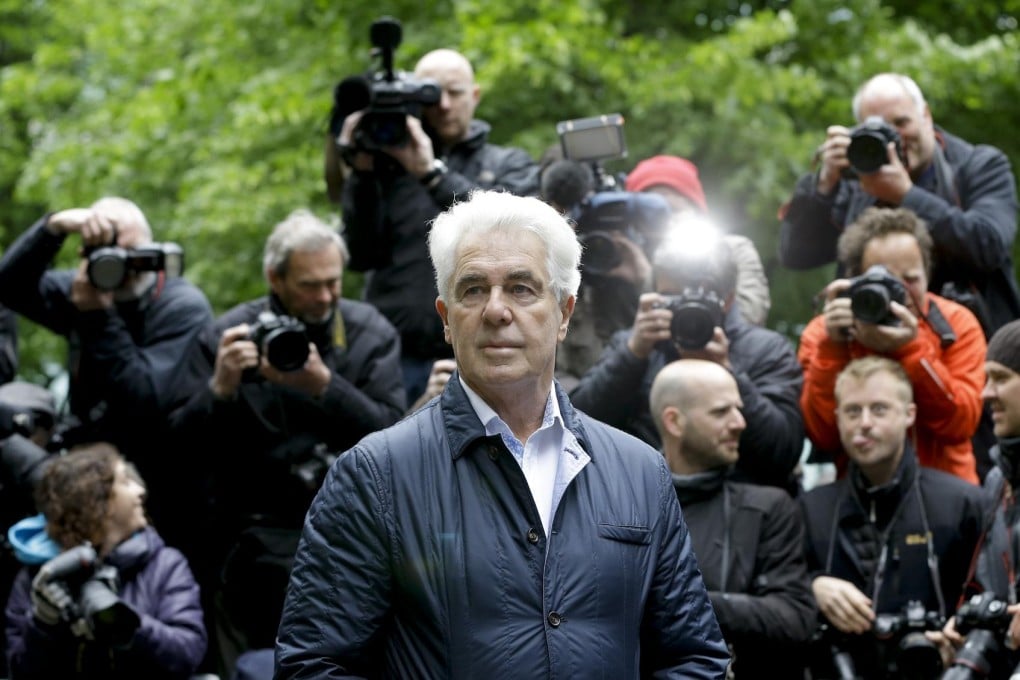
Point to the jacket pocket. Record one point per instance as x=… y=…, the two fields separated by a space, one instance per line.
x=626 y=534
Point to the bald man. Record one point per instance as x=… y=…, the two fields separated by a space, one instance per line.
x=390 y=197
x=965 y=193
x=748 y=538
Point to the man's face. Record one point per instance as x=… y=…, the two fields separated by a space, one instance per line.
x=901 y=255
x=713 y=425
x=873 y=418
x=451 y=117
x=311 y=287
x=502 y=318
x=1002 y=394
x=916 y=128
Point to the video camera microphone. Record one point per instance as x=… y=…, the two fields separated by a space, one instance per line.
x=567 y=183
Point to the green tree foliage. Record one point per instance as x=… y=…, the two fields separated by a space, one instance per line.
x=212 y=115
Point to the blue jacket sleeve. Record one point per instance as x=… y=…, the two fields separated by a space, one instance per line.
x=329 y=624
x=680 y=635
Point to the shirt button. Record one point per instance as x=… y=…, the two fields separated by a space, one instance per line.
x=532 y=536
x=555 y=620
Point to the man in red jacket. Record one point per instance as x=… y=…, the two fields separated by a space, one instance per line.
x=886 y=310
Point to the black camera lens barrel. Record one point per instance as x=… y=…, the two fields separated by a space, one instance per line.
x=281 y=340
x=867 y=151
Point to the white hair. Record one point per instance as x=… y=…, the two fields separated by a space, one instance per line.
x=486 y=211
x=887 y=81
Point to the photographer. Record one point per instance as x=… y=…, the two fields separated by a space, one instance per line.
x=966 y=194
x=699 y=283
x=125 y=333
x=391 y=194
x=938 y=342
x=994 y=574
x=608 y=297
x=676 y=180
x=267 y=391
x=889 y=538
x=116 y=602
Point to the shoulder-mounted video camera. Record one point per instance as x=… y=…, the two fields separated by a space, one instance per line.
x=388 y=96
x=109 y=266
x=868 y=145
x=635 y=215
x=280 y=339
x=872 y=293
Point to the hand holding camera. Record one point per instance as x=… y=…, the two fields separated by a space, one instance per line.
x=76 y=589
x=651 y=325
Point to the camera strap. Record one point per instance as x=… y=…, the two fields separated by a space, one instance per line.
x=937 y=321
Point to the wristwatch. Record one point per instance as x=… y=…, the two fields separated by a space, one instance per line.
x=432 y=178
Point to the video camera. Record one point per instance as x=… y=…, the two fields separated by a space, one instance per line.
x=984 y=620
x=635 y=215
x=281 y=340
x=109 y=266
x=871 y=294
x=387 y=96
x=96 y=602
x=868 y=141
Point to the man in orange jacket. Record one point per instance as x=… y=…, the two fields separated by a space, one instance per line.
x=885 y=310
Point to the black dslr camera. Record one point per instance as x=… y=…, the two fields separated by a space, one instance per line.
x=632 y=214
x=984 y=620
x=281 y=340
x=871 y=294
x=388 y=96
x=868 y=141
x=95 y=587
x=109 y=266
x=696 y=313
x=903 y=647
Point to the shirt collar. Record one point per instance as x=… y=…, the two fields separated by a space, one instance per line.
x=491 y=420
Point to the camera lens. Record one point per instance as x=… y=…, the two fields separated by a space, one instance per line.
x=870 y=303
x=918 y=657
x=693 y=325
x=600 y=253
x=867 y=152
x=286 y=348
x=107 y=268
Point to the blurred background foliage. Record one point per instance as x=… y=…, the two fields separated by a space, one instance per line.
x=211 y=114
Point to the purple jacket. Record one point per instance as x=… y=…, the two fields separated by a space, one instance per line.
x=157 y=583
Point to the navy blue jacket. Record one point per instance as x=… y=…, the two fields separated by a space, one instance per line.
x=423 y=556
x=157 y=583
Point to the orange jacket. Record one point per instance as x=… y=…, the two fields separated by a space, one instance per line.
x=947 y=388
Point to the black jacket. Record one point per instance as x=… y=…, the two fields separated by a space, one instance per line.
x=969 y=202
x=768 y=376
x=387 y=217
x=267 y=429
x=424 y=556
x=749 y=540
x=851 y=527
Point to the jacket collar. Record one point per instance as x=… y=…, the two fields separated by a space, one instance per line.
x=463 y=427
x=887 y=497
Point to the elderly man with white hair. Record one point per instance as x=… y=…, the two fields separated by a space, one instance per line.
x=497 y=532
